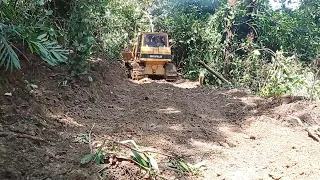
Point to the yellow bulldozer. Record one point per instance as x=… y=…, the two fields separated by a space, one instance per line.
x=150 y=56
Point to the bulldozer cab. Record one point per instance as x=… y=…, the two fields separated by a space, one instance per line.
x=155 y=40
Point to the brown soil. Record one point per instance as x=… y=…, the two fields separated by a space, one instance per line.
x=236 y=135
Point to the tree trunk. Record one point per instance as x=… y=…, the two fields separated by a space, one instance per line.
x=227 y=62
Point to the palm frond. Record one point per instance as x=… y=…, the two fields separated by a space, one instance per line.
x=8 y=56
x=50 y=51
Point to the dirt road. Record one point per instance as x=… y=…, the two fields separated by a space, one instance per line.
x=236 y=135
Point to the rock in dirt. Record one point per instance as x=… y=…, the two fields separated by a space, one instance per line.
x=8 y=94
x=33 y=86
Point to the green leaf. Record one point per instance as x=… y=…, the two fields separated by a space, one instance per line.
x=42 y=36
x=40 y=2
x=58 y=56
x=184 y=166
x=87 y=158
x=98 y=158
x=30 y=47
x=114 y=148
x=49 y=51
x=49 y=13
x=8 y=56
x=140 y=159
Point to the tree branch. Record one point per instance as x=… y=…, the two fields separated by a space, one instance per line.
x=218 y=75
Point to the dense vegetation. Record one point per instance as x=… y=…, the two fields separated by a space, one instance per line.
x=269 y=51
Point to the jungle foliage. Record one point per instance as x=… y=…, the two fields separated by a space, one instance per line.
x=269 y=51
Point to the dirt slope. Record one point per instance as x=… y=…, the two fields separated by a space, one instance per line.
x=237 y=135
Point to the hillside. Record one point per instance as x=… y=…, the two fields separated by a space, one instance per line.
x=235 y=134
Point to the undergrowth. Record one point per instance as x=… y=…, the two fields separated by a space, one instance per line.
x=269 y=51
x=111 y=153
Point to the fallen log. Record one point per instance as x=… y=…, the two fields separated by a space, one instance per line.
x=311 y=133
x=215 y=73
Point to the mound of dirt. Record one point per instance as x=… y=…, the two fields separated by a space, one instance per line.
x=36 y=130
x=47 y=110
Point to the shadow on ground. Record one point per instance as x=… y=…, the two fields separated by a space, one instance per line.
x=48 y=105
